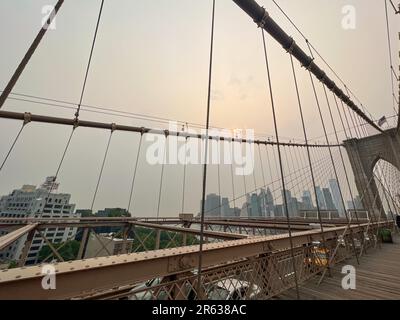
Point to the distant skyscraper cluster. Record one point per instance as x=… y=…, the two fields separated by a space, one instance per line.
x=261 y=204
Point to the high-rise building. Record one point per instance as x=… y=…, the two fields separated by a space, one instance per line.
x=266 y=203
x=328 y=199
x=255 y=208
x=337 y=199
x=212 y=207
x=320 y=198
x=226 y=210
x=292 y=203
x=307 y=200
x=44 y=202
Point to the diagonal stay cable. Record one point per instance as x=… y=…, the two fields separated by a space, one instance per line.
x=162 y=174
x=396 y=11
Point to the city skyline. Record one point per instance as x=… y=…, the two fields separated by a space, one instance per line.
x=262 y=203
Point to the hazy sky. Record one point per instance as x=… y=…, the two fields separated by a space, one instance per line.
x=151 y=58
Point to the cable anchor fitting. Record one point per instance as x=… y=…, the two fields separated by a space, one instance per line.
x=291 y=47
x=27 y=117
x=75 y=123
x=263 y=21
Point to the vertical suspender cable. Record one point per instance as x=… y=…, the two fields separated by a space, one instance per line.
x=391 y=63
x=90 y=60
x=308 y=152
x=266 y=205
x=347 y=122
x=12 y=146
x=280 y=165
x=270 y=172
x=58 y=169
x=262 y=167
x=199 y=295
x=245 y=192
x=254 y=166
x=345 y=172
x=135 y=171
x=219 y=177
x=162 y=175
x=101 y=170
x=233 y=185
x=184 y=178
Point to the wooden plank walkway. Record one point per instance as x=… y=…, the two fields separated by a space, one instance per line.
x=377 y=278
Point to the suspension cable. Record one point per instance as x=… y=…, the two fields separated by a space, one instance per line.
x=90 y=59
x=184 y=178
x=390 y=59
x=219 y=176
x=58 y=169
x=162 y=175
x=101 y=170
x=280 y=165
x=203 y=199
x=345 y=172
x=135 y=171
x=12 y=146
x=233 y=188
x=308 y=150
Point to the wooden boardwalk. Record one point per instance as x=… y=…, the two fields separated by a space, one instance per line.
x=377 y=278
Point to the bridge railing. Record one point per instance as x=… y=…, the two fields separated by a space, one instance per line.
x=259 y=277
x=250 y=268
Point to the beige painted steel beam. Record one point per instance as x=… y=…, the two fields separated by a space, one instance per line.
x=13 y=236
x=77 y=277
x=211 y=234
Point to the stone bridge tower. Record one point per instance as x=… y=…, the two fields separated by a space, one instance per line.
x=363 y=155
